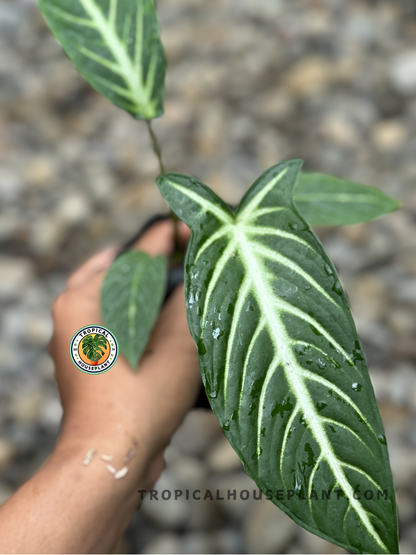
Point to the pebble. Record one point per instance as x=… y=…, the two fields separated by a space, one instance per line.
x=7 y=356
x=40 y=172
x=403 y=464
x=402 y=321
x=51 y=415
x=339 y=131
x=190 y=472
x=74 y=208
x=406 y=507
x=11 y=223
x=37 y=329
x=403 y=386
x=121 y=473
x=170 y=513
x=267 y=529
x=47 y=235
x=165 y=543
x=7 y=452
x=197 y=432
x=26 y=406
x=11 y=185
x=5 y=492
x=197 y=542
x=228 y=540
x=44 y=367
x=368 y=296
x=222 y=458
x=310 y=543
x=237 y=508
x=311 y=75
x=389 y=135
x=402 y=72
x=15 y=275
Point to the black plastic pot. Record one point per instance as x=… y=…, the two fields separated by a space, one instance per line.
x=175 y=277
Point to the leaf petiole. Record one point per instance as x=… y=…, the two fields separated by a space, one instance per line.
x=177 y=257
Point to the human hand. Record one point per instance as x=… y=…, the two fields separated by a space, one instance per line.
x=119 y=408
x=67 y=507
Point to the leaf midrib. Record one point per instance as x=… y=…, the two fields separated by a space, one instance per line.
x=347 y=198
x=137 y=90
x=282 y=344
x=109 y=34
x=132 y=311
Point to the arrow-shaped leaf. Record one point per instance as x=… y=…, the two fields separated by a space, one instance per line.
x=131 y=297
x=115 y=45
x=281 y=360
x=326 y=200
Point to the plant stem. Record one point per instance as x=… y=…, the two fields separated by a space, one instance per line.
x=156 y=146
x=178 y=255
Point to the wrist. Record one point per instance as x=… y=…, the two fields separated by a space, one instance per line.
x=89 y=494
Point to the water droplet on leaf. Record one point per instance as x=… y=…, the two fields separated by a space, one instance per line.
x=382 y=439
x=217 y=333
x=201 y=348
x=328 y=270
x=337 y=288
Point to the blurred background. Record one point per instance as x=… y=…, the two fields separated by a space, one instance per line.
x=249 y=84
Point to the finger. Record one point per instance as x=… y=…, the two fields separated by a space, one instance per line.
x=184 y=233
x=98 y=263
x=158 y=239
x=171 y=330
x=170 y=367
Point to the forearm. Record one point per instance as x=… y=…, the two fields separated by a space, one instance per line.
x=69 y=507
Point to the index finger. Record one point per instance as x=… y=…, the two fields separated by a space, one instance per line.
x=158 y=239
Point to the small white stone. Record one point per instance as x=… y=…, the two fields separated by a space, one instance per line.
x=15 y=275
x=26 y=405
x=88 y=457
x=46 y=234
x=266 y=529
x=129 y=455
x=7 y=452
x=111 y=469
x=222 y=457
x=74 y=208
x=121 y=473
x=51 y=414
x=403 y=72
x=11 y=185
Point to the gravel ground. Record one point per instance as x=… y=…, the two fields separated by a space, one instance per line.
x=249 y=84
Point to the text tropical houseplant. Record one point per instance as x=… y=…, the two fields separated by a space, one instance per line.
x=279 y=353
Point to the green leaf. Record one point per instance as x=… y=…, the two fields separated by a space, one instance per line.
x=131 y=297
x=281 y=360
x=115 y=45
x=94 y=347
x=326 y=200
